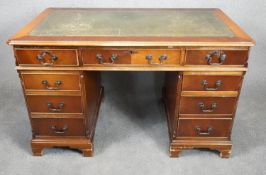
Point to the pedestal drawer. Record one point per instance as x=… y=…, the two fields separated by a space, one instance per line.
x=207 y=105
x=58 y=127
x=47 y=57
x=211 y=83
x=204 y=127
x=216 y=57
x=51 y=81
x=54 y=104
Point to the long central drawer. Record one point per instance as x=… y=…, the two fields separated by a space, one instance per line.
x=131 y=56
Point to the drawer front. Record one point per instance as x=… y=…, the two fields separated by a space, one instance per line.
x=58 y=127
x=54 y=104
x=106 y=57
x=47 y=57
x=51 y=82
x=207 y=105
x=211 y=83
x=156 y=56
x=204 y=127
x=216 y=57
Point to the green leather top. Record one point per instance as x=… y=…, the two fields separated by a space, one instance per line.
x=136 y=23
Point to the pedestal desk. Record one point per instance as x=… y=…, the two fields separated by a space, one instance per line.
x=61 y=53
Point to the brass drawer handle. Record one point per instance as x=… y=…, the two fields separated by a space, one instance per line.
x=100 y=58
x=220 y=54
x=204 y=133
x=55 y=109
x=205 y=83
x=41 y=58
x=162 y=58
x=202 y=107
x=57 y=83
x=57 y=130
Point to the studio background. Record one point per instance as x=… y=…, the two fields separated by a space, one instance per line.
x=131 y=134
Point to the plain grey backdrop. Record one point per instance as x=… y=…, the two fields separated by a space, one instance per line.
x=131 y=135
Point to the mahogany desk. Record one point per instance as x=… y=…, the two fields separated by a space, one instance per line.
x=59 y=56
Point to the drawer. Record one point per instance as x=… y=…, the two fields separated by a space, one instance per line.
x=156 y=56
x=204 y=127
x=54 y=104
x=216 y=57
x=207 y=105
x=47 y=57
x=106 y=57
x=51 y=81
x=58 y=127
x=211 y=83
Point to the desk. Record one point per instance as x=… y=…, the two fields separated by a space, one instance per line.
x=60 y=54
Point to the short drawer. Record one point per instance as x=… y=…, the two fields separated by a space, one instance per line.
x=54 y=104
x=216 y=57
x=211 y=83
x=204 y=127
x=156 y=56
x=51 y=81
x=207 y=105
x=47 y=57
x=58 y=127
x=106 y=57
